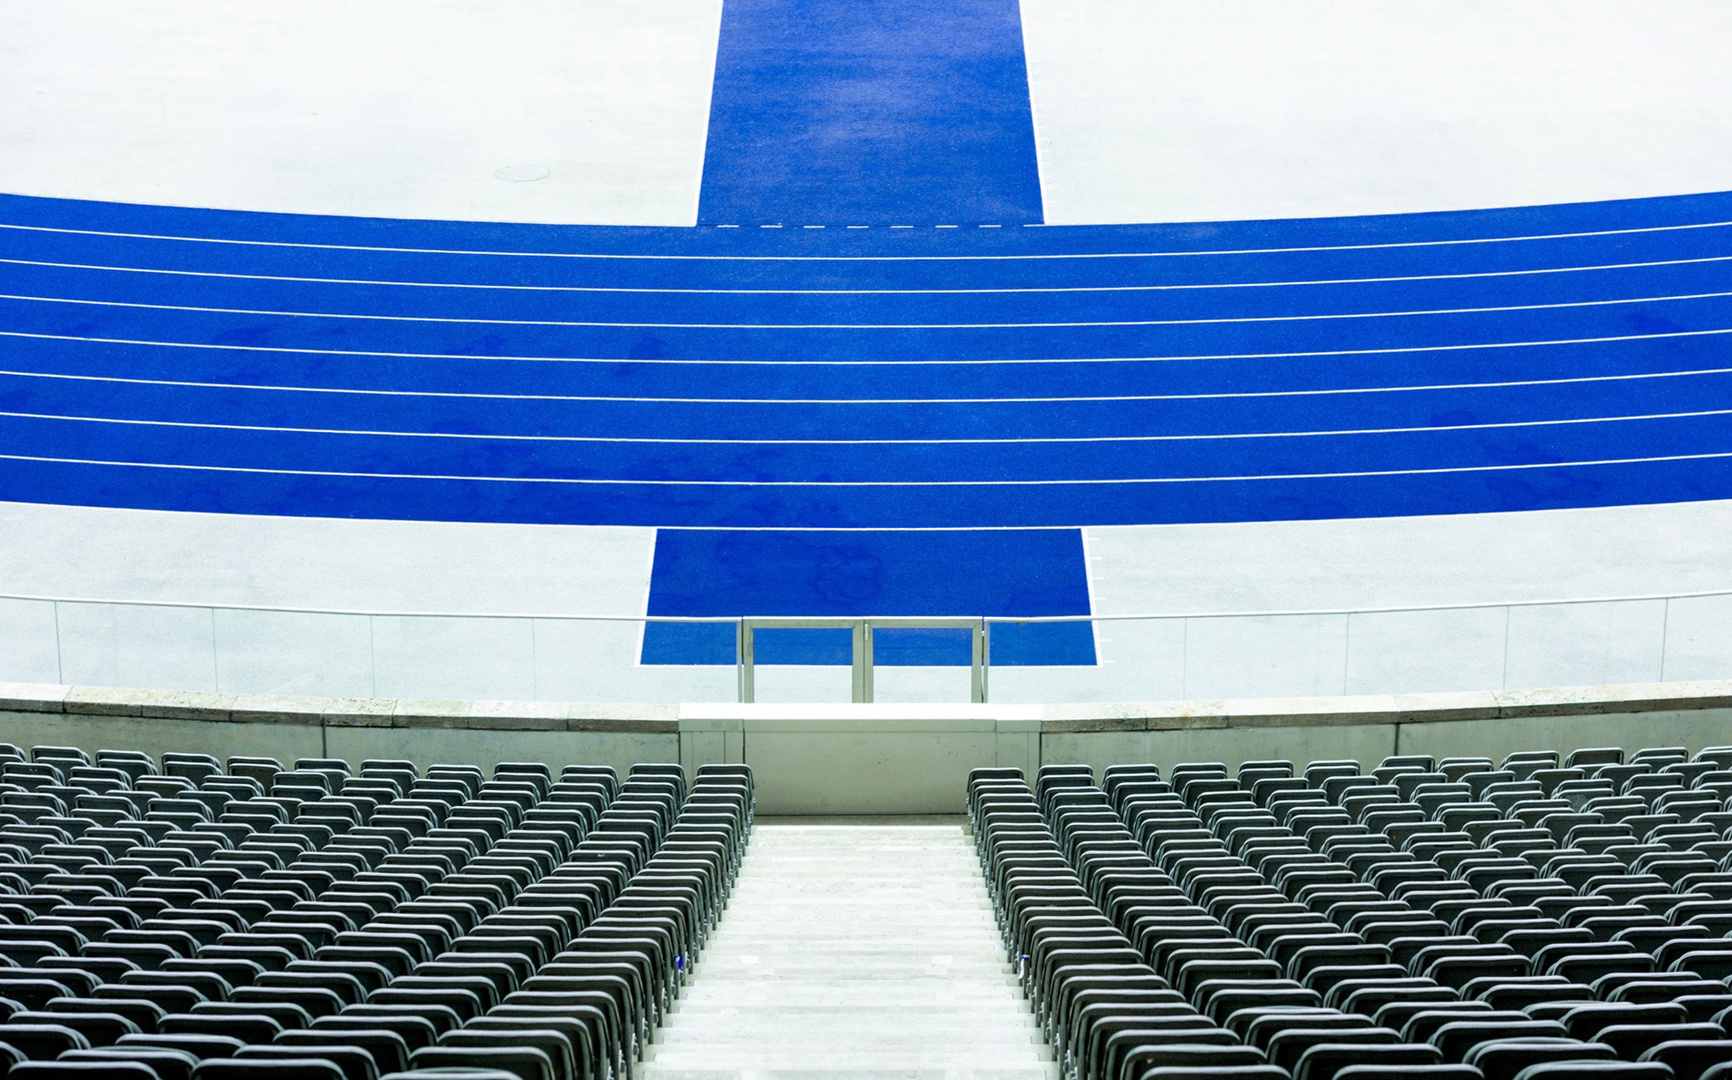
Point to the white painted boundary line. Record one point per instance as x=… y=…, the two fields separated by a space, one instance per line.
x=364 y=392
x=1108 y=481
x=1206 y=437
x=858 y=258
x=595 y=324
x=1184 y=287
x=866 y=363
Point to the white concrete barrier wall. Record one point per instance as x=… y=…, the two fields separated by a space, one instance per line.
x=870 y=759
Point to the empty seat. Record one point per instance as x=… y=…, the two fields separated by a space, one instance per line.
x=1591 y=1070
x=524 y=1062
x=1689 y=1058
x=215 y=918
x=166 y=1064
x=309 y=1068
x=85 y=1070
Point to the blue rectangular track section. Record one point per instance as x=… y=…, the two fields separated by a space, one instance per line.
x=813 y=574
x=870 y=112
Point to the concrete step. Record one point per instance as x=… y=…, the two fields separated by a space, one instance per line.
x=853 y=953
x=858 y=1071
x=758 y=1059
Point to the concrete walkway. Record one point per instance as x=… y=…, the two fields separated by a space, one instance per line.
x=851 y=952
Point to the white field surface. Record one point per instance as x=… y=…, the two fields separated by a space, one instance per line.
x=393 y=108
x=1201 y=110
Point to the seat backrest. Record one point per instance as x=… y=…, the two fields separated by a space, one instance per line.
x=355 y=1062
x=1504 y=1058
x=194 y=1045
x=167 y=1064
x=42 y=1042
x=389 y=1048
x=526 y=1062
x=454 y=1073
x=1324 y=1060
x=401 y=1018
x=1409 y=1072
x=555 y=1044
x=84 y=1070
x=307 y=1068
x=1214 y=1072
x=1596 y=1070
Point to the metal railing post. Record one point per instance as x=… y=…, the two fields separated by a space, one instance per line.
x=977 y=664
x=748 y=664
x=59 y=646
x=862 y=661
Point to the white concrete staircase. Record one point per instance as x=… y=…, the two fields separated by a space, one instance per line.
x=854 y=952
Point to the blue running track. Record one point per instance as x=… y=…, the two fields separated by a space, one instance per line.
x=884 y=380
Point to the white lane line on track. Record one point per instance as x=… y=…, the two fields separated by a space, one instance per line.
x=595 y=324
x=1207 y=437
x=868 y=483
x=867 y=258
x=476 y=395
x=1189 y=286
x=617 y=362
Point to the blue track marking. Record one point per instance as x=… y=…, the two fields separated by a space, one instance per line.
x=869 y=112
x=851 y=575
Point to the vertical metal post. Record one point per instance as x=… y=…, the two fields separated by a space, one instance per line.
x=216 y=667
x=748 y=671
x=862 y=661
x=977 y=663
x=60 y=650
x=856 y=655
x=1665 y=633
x=985 y=661
x=868 y=668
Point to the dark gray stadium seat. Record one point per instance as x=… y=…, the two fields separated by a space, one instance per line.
x=210 y=912
x=356 y=1063
x=1593 y=1070
x=267 y=1069
x=452 y=1073
x=84 y=1070
x=167 y=1064
x=526 y=1063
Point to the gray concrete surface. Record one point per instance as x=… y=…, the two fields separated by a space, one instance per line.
x=854 y=952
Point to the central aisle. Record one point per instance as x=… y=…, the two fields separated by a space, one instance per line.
x=854 y=951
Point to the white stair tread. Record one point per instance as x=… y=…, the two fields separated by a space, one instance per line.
x=853 y=953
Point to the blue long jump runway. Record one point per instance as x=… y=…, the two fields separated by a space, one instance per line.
x=870 y=112
x=1008 y=572
x=879 y=381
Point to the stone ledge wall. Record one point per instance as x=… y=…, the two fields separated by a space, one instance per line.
x=871 y=759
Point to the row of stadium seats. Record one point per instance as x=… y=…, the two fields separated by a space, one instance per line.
x=1458 y=919
x=183 y=920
